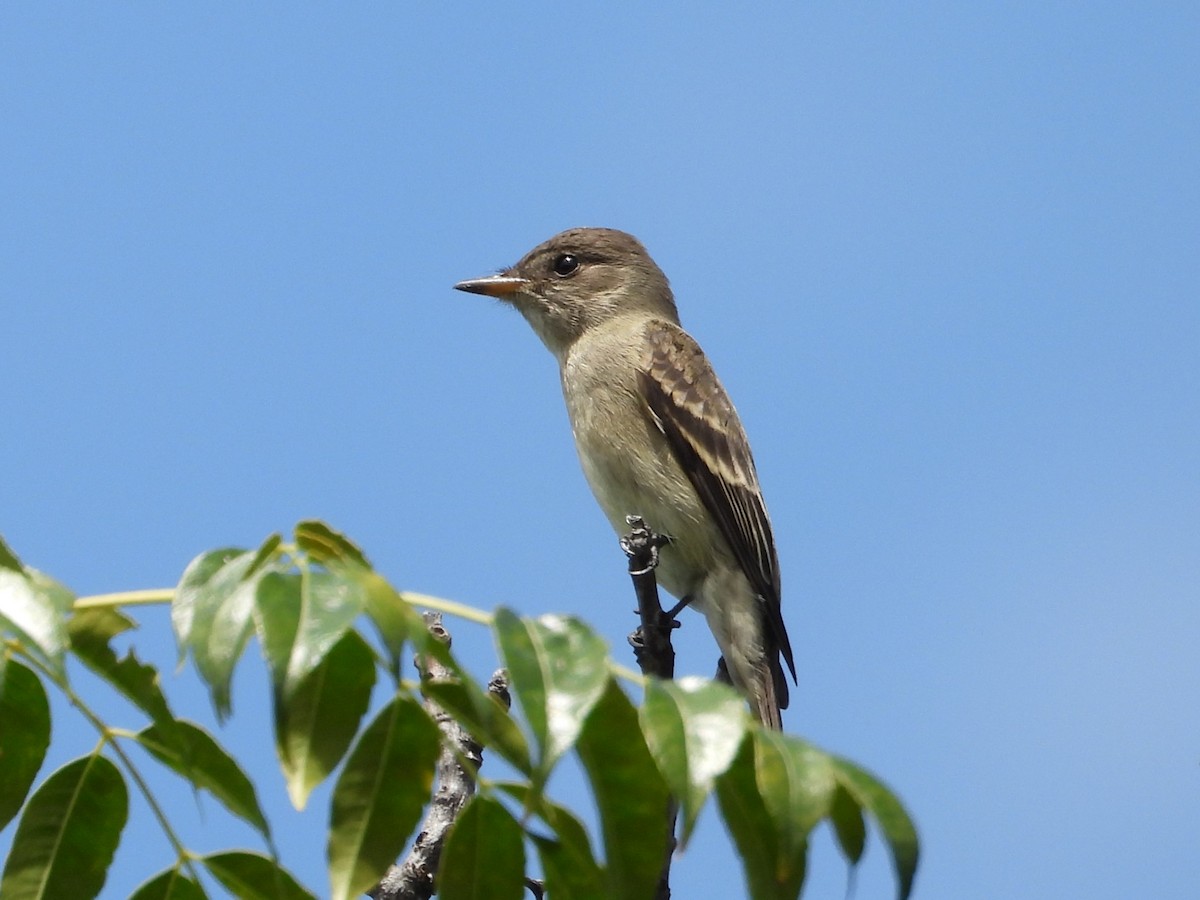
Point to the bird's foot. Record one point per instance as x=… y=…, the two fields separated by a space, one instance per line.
x=641 y=545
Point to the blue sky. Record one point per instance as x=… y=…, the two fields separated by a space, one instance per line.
x=943 y=255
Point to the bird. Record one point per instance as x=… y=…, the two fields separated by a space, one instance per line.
x=658 y=437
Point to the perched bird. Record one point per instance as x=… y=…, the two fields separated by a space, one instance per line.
x=658 y=437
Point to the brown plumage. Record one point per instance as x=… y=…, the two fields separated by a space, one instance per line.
x=702 y=427
x=658 y=437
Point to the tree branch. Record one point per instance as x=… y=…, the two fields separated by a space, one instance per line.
x=651 y=642
x=413 y=879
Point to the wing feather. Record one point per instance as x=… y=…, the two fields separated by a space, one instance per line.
x=696 y=416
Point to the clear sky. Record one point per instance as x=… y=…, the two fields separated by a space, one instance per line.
x=944 y=256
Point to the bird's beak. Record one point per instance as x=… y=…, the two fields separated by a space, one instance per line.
x=502 y=286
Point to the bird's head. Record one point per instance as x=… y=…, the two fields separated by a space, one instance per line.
x=577 y=280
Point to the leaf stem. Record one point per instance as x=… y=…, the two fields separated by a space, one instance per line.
x=459 y=610
x=627 y=673
x=107 y=736
x=126 y=598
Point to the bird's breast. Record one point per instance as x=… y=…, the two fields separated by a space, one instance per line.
x=630 y=466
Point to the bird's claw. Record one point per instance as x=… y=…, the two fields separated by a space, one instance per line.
x=642 y=543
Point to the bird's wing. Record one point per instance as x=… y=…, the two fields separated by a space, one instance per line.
x=695 y=414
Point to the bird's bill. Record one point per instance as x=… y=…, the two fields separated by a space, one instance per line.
x=493 y=285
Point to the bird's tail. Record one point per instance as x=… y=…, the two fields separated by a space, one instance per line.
x=761 y=690
x=766 y=700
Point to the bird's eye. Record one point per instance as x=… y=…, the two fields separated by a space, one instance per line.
x=565 y=264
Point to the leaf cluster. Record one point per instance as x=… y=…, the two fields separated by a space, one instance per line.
x=306 y=602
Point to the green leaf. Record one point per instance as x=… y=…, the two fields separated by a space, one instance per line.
x=266 y=556
x=776 y=792
x=33 y=608
x=24 y=734
x=172 y=884
x=394 y=618
x=770 y=874
x=252 y=876
x=212 y=611
x=484 y=716
x=893 y=820
x=797 y=784
x=693 y=728
x=315 y=726
x=67 y=834
x=571 y=870
x=215 y=572
x=558 y=668
x=564 y=876
x=630 y=794
x=190 y=605
x=301 y=617
x=329 y=604
x=8 y=559
x=484 y=856
x=326 y=547
x=194 y=754
x=91 y=631
x=848 y=825
x=380 y=794
x=277 y=619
